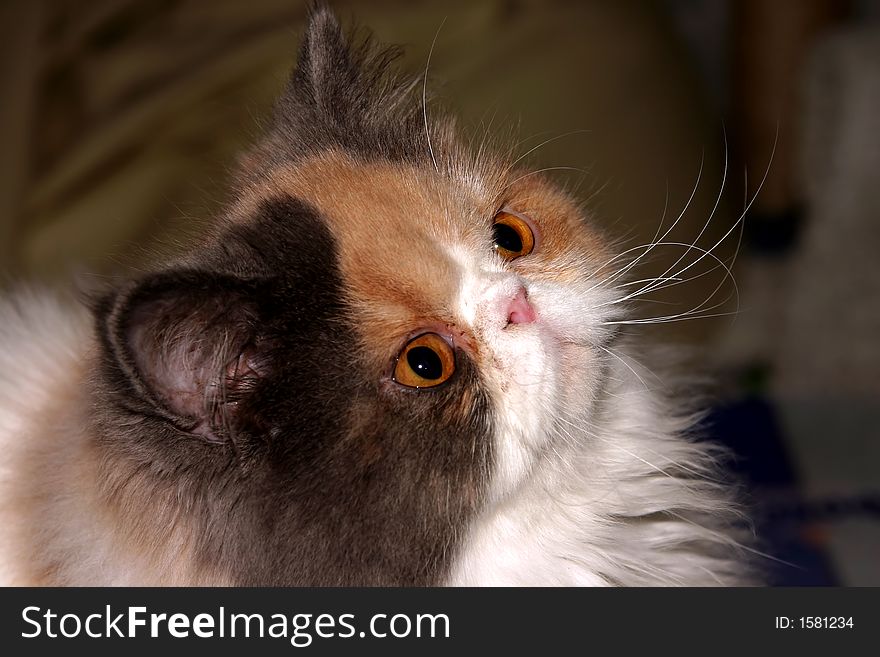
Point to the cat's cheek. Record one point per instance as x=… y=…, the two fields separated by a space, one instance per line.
x=581 y=375
x=523 y=381
x=575 y=312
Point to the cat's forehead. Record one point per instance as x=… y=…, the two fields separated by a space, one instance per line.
x=396 y=229
x=384 y=201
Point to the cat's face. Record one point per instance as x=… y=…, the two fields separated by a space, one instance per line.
x=488 y=270
x=382 y=336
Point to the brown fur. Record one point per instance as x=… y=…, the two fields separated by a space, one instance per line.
x=400 y=277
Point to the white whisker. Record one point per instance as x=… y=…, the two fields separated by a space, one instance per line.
x=733 y=227
x=632 y=295
x=425 y=95
x=625 y=364
x=537 y=171
x=541 y=145
x=654 y=242
x=708 y=220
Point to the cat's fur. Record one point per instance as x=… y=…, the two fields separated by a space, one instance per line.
x=230 y=418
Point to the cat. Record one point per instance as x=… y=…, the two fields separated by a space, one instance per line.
x=391 y=362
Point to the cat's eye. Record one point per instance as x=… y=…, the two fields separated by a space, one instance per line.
x=426 y=361
x=512 y=235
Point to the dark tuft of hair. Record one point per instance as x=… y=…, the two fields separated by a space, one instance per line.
x=346 y=92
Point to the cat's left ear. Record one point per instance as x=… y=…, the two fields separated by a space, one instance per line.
x=184 y=345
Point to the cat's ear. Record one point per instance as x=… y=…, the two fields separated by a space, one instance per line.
x=184 y=343
x=324 y=58
x=341 y=76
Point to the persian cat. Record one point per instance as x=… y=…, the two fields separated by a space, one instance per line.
x=391 y=362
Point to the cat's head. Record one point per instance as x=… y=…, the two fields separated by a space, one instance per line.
x=381 y=338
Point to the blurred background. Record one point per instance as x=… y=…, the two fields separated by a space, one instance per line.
x=120 y=121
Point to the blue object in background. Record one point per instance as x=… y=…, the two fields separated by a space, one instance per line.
x=787 y=531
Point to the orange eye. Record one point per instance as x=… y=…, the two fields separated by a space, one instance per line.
x=513 y=236
x=426 y=361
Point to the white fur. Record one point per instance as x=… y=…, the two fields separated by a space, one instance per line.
x=594 y=480
x=42 y=346
x=53 y=527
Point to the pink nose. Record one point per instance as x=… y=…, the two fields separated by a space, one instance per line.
x=520 y=311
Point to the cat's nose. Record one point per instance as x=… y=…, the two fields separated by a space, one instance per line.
x=503 y=302
x=520 y=311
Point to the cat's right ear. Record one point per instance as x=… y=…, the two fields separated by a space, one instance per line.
x=184 y=345
x=339 y=77
x=324 y=57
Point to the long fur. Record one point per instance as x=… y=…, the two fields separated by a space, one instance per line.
x=199 y=428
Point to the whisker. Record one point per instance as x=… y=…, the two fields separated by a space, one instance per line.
x=649 y=247
x=694 y=311
x=741 y=219
x=541 y=145
x=631 y=295
x=666 y=320
x=646 y=280
x=625 y=364
x=532 y=173
x=699 y=312
x=711 y=214
x=425 y=95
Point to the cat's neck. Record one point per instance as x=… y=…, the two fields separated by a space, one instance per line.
x=607 y=505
